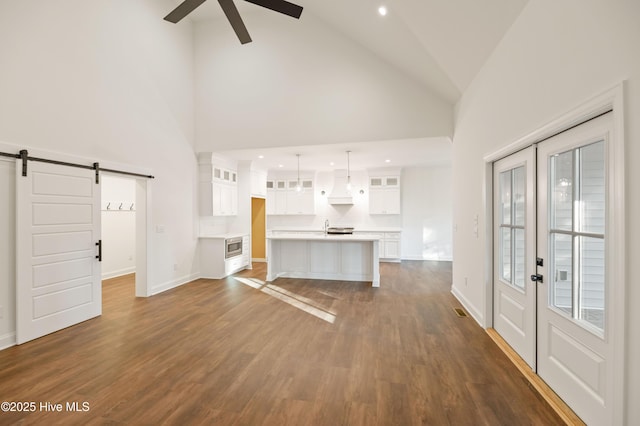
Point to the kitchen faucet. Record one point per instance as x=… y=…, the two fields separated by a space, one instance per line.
x=326 y=226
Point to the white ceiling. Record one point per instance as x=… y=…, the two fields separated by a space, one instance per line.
x=441 y=44
x=364 y=155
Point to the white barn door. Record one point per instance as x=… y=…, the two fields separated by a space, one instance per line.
x=58 y=281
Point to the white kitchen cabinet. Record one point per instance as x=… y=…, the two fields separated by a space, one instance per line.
x=276 y=197
x=280 y=197
x=246 y=250
x=259 y=183
x=212 y=257
x=390 y=243
x=300 y=202
x=218 y=189
x=271 y=197
x=391 y=246
x=224 y=200
x=284 y=199
x=384 y=195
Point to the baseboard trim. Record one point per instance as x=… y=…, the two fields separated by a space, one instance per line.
x=7 y=340
x=441 y=259
x=475 y=314
x=174 y=283
x=556 y=403
x=118 y=273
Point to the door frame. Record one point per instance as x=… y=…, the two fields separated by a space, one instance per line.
x=610 y=100
x=143 y=230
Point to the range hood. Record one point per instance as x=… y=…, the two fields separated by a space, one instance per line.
x=339 y=194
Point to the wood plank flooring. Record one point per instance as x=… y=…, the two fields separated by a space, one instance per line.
x=227 y=352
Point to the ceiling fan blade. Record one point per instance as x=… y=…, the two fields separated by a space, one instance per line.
x=229 y=9
x=281 y=6
x=185 y=8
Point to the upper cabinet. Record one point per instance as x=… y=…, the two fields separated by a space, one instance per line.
x=258 y=183
x=217 y=186
x=384 y=192
x=284 y=197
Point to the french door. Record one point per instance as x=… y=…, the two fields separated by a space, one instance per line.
x=552 y=291
x=514 y=296
x=58 y=228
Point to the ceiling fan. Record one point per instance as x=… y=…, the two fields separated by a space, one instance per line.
x=229 y=9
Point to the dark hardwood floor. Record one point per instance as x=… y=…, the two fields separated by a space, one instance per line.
x=300 y=352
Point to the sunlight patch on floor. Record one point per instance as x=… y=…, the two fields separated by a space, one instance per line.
x=303 y=303
x=251 y=282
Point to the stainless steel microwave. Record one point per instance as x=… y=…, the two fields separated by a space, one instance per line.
x=232 y=247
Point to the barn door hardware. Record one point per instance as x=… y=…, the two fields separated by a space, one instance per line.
x=24 y=156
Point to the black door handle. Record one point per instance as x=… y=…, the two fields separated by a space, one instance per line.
x=99 y=256
x=536 y=278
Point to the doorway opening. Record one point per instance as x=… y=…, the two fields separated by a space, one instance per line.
x=118 y=214
x=258 y=230
x=124 y=211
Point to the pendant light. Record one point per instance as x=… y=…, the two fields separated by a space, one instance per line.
x=348 y=173
x=298 y=186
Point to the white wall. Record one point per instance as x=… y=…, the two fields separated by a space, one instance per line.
x=300 y=83
x=118 y=226
x=112 y=82
x=557 y=55
x=427 y=213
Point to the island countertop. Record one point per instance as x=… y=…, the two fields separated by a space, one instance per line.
x=327 y=237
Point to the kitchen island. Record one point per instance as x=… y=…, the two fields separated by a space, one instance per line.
x=324 y=257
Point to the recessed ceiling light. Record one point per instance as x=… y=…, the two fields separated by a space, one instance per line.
x=332 y=163
x=382 y=10
x=387 y=161
x=260 y=156
x=280 y=165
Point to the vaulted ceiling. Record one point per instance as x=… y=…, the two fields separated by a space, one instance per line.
x=440 y=43
x=436 y=46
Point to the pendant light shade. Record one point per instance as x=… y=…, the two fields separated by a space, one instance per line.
x=348 y=173
x=298 y=185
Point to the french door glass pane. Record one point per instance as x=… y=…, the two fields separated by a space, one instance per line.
x=561 y=186
x=512 y=222
x=519 y=259
x=592 y=289
x=592 y=189
x=518 y=196
x=505 y=257
x=577 y=207
x=561 y=286
x=505 y=197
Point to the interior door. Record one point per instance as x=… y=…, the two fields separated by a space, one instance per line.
x=58 y=227
x=514 y=312
x=575 y=351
